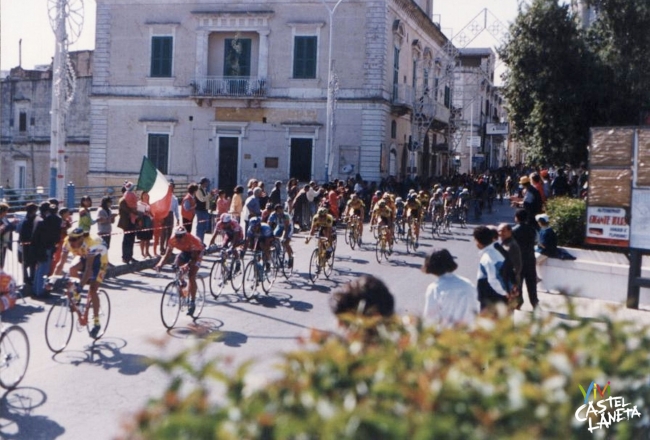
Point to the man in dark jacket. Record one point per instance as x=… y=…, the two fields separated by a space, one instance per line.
x=47 y=232
x=526 y=236
x=532 y=201
x=25 y=239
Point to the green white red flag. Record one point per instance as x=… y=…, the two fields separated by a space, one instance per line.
x=156 y=185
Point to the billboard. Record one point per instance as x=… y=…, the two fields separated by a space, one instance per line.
x=607 y=226
x=496 y=129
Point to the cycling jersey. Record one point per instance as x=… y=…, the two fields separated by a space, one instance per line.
x=413 y=208
x=265 y=231
x=89 y=246
x=322 y=222
x=187 y=243
x=356 y=204
x=279 y=223
x=235 y=232
x=384 y=212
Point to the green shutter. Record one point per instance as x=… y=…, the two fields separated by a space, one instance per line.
x=304 y=57
x=161 y=57
x=158 y=151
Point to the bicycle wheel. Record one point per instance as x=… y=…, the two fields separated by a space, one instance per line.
x=58 y=326
x=314 y=266
x=236 y=273
x=218 y=277
x=352 y=237
x=348 y=232
x=251 y=282
x=14 y=356
x=375 y=234
x=104 y=314
x=170 y=305
x=409 y=241
x=378 y=253
x=329 y=264
x=286 y=270
x=199 y=299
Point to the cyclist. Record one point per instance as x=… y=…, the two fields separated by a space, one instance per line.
x=413 y=214
x=463 y=201
x=91 y=261
x=436 y=205
x=191 y=253
x=282 y=227
x=399 y=214
x=383 y=215
x=356 y=207
x=233 y=235
x=261 y=233
x=423 y=198
x=323 y=222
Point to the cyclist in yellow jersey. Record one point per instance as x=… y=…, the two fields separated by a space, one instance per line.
x=414 y=212
x=424 y=197
x=356 y=207
x=390 y=204
x=324 y=223
x=91 y=261
x=383 y=215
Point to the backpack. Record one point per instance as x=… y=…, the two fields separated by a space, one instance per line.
x=508 y=273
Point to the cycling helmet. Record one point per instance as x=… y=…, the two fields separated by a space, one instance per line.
x=386 y=196
x=75 y=233
x=439 y=191
x=399 y=200
x=411 y=198
x=180 y=231
x=255 y=221
x=226 y=218
x=322 y=211
x=449 y=189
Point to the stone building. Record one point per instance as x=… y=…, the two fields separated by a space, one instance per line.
x=479 y=103
x=238 y=89
x=25 y=125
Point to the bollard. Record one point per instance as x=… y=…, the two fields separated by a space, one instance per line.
x=69 y=200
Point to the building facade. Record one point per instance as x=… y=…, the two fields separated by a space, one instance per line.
x=26 y=125
x=480 y=142
x=239 y=89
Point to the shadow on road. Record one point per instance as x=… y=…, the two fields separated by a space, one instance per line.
x=16 y=420
x=21 y=313
x=274 y=300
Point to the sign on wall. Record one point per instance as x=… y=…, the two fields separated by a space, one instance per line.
x=494 y=129
x=607 y=226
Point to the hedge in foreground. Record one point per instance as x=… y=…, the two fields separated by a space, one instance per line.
x=406 y=381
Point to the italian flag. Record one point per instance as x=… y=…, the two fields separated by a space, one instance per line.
x=156 y=185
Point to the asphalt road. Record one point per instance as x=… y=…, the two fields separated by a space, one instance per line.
x=89 y=391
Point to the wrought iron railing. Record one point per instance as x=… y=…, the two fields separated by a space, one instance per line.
x=230 y=86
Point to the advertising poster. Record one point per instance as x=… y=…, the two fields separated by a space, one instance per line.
x=607 y=226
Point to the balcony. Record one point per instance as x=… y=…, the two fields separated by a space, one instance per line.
x=249 y=87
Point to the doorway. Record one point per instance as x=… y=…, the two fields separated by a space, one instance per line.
x=228 y=163
x=300 y=160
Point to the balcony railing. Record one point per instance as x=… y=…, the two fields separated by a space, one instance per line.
x=230 y=87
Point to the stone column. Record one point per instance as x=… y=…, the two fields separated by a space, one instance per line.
x=263 y=63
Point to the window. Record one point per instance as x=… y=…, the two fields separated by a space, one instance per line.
x=415 y=74
x=158 y=151
x=237 y=57
x=393 y=129
x=447 y=97
x=304 y=57
x=395 y=71
x=22 y=121
x=161 y=57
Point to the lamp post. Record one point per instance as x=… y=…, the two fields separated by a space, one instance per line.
x=330 y=92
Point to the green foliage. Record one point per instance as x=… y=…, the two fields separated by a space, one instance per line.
x=568 y=219
x=404 y=380
x=563 y=79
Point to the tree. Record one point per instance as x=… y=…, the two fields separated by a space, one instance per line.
x=548 y=85
x=620 y=40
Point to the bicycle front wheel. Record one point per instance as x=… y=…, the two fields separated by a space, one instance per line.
x=236 y=273
x=351 y=236
x=104 y=314
x=314 y=266
x=269 y=276
x=329 y=264
x=14 y=356
x=218 y=278
x=378 y=253
x=199 y=299
x=170 y=305
x=348 y=232
x=58 y=326
x=251 y=281
x=286 y=270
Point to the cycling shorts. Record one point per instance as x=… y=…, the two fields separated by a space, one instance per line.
x=97 y=272
x=185 y=257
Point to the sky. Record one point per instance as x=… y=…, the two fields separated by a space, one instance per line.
x=28 y=19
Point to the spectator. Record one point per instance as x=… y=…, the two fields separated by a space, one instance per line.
x=492 y=289
x=451 y=299
x=526 y=236
x=65 y=217
x=202 y=197
x=169 y=221
x=560 y=185
x=7 y=226
x=222 y=204
x=536 y=181
x=128 y=212
x=85 y=219
x=237 y=203
x=275 y=198
x=510 y=245
x=252 y=206
x=547 y=244
x=47 y=233
x=7 y=292
x=188 y=206
x=26 y=255
x=264 y=198
x=301 y=214
x=546 y=184
x=366 y=296
x=292 y=192
x=105 y=220
x=144 y=227
x=532 y=200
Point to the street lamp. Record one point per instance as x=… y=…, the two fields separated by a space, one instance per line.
x=330 y=92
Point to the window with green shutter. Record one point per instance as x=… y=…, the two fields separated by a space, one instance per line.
x=304 y=57
x=161 y=57
x=158 y=151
